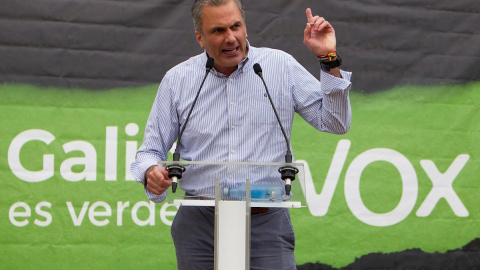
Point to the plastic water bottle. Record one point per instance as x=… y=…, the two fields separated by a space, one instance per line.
x=258 y=192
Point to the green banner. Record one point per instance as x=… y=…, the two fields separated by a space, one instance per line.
x=405 y=177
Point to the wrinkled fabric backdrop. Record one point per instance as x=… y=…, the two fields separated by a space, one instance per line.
x=105 y=44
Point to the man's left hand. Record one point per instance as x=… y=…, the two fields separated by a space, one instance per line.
x=319 y=35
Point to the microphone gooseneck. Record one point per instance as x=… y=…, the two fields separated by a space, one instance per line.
x=176 y=170
x=287 y=172
x=208 y=67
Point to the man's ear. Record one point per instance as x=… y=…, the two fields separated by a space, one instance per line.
x=199 y=38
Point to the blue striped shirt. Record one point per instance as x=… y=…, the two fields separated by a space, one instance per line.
x=233 y=120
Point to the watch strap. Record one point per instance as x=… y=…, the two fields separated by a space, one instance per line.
x=328 y=65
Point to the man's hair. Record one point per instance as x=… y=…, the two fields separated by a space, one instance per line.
x=199 y=4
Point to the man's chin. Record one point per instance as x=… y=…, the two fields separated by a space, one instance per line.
x=231 y=61
x=226 y=67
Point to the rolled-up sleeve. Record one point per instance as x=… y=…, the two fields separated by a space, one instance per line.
x=324 y=104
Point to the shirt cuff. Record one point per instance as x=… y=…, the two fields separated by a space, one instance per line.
x=156 y=198
x=139 y=170
x=332 y=84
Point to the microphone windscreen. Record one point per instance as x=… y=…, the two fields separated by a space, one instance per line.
x=209 y=63
x=257 y=68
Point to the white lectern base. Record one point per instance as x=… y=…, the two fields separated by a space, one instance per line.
x=232 y=235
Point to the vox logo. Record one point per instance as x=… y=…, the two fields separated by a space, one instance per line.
x=442 y=185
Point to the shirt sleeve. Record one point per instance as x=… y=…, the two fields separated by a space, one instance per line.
x=336 y=101
x=160 y=134
x=324 y=104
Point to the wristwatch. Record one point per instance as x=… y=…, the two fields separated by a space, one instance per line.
x=327 y=65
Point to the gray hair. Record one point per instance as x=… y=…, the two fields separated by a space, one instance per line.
x=199 y=4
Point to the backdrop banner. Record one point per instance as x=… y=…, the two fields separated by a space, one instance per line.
x=401 y=189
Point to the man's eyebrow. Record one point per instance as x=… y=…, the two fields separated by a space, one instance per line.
x=223 y=28
x=218 y=28
x=237 y=23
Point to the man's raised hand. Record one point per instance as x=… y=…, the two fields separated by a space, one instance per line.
x=319 y=35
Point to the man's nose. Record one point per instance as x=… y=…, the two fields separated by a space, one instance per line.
x=230 y=37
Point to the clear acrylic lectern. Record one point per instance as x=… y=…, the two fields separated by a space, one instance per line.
x=234 y=188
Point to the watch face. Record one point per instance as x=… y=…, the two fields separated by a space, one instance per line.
x=324 y=66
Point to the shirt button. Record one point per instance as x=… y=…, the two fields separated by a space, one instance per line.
x=233 y=151
x=233 y=127
x=232 y=103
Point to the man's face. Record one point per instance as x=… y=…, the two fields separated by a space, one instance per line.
x=224 y=36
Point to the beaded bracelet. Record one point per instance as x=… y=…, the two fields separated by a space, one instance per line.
x=327 y=57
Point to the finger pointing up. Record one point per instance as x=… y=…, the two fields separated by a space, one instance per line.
x=309 y=15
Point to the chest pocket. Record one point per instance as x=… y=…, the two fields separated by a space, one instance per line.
x=261 y=111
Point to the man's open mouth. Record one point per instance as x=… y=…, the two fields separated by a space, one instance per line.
x=230 y=50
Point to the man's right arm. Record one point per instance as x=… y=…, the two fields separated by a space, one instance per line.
x=160 y=134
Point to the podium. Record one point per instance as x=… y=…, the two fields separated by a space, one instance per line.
x=233 y=188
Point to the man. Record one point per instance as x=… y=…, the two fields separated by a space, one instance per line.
x=233 y=121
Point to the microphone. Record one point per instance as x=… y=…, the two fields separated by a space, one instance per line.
x=287 y=172
x=176 y=170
